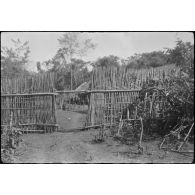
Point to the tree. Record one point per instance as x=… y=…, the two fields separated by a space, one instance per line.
x=80 y=74
x=107 y=61
x=146 y=60
x=182 y=55
x=39 y=67
x=14 y=59
x=80 y=71
x=180 y=87
x=72 y=45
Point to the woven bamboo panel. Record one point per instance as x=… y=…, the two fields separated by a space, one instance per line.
x=28 y=109
x=107 y=107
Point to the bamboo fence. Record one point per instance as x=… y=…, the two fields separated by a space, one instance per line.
x=34 y=111
x=112 y=90
x=121 y=88
x=106 y=106
x=28 y=84
x=29 y=101
x=121 y=78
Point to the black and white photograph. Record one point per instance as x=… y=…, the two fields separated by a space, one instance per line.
x=97 y=97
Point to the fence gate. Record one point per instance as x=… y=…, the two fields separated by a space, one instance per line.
x=79 y=109
x=72 y=108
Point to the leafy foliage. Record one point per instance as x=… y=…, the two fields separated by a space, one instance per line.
x=182 y=55
x=74 y=44
x=80 y=74
x=180 y=90
x=146 y=60
x=13 y=60
x=10 y=140
x=70 y=69
x=107 y=61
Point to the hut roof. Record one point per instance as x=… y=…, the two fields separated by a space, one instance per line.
x=83 y=87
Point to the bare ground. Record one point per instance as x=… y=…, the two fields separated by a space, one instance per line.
x=70 y=120
x=78 y=148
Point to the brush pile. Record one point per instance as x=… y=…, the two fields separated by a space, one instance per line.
x=167 y=111
x=180 y=113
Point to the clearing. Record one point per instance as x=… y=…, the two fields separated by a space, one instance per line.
x=77 y=147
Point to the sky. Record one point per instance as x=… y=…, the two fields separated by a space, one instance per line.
x=43 y=45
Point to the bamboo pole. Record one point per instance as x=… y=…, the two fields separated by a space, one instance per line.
x=186 y=137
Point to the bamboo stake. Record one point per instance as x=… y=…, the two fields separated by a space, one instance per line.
x=186 y=138
x=140 y=147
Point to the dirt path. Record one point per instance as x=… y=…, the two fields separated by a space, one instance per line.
x=62 y=148
x=78 y=148
x=70 y=120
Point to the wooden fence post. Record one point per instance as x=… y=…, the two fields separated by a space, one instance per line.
x=54 y=108
x=92 y=109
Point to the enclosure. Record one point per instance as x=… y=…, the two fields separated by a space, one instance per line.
x=32 y=102
x=131 y=106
